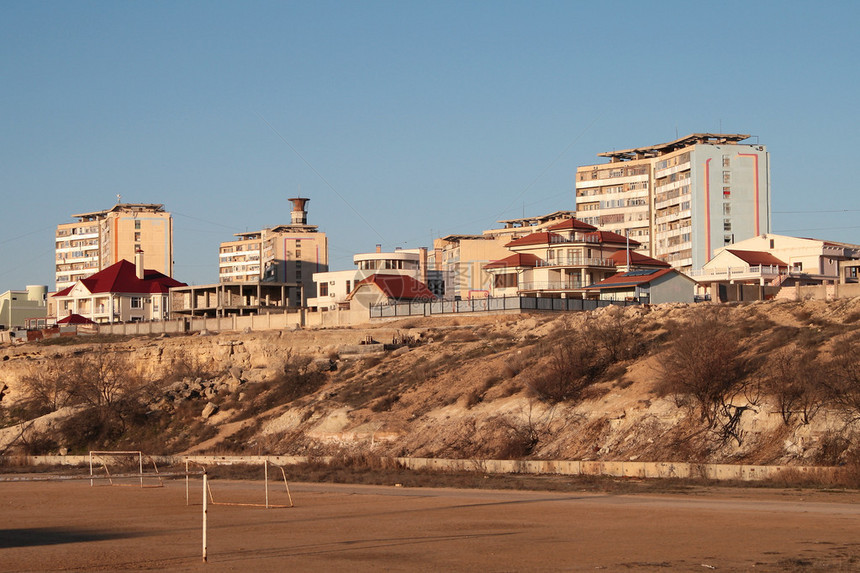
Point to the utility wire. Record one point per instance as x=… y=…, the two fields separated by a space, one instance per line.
x=318 y=174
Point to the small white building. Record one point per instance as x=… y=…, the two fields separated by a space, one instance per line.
x=334 y=287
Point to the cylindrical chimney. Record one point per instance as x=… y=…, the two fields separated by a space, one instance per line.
x=138 y=263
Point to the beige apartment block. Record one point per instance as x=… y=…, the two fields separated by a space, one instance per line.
x=680 y=200
x=97 y=240
x=283 y=254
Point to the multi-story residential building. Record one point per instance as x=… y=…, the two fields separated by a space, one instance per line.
x=461 y=258
x=334 y=287
x=100 y=239
x=680 y=200
x=558 y=262
x=283 y=254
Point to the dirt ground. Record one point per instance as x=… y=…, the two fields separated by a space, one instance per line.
x=70 y=526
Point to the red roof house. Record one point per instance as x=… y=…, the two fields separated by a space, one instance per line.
x=391 y=288
x=121 y=292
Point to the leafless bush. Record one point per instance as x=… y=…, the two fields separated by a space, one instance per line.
x=524 y=432
x=574 y=364
x=844 y=379
x=704 y=368
x=617 y=337
x=46 y=387
x=797 y=380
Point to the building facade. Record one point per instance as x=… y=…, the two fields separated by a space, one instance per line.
x=680 y=200
x=461 y=258
x=19 y=306
x=334 y=287
x=283 y=254
x=558 y=262
x=100 y=239
x=122 y=292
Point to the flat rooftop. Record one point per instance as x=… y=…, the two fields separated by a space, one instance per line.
x=663 y=148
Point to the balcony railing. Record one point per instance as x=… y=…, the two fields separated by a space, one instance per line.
x=550 y=285
x=740 y=272
x=576 y=262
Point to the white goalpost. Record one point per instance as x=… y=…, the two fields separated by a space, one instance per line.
x=124 y=460
x=266 y=503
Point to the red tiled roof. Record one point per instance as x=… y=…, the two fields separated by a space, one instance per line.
x=610 y=237
x=398 y=287
x=620 y=258
x=517 y=260
x=122 y=278
x=572 y=225
x=543 y=238
x=75 y=319
x=631 y=278
x=757 y=258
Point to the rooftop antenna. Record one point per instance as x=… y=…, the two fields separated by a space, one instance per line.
x=118 y=198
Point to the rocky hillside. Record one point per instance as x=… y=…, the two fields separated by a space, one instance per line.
x=772 y=382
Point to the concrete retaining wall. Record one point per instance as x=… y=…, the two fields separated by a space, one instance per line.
x=555 y=467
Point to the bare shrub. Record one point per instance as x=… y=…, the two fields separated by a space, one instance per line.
x=525 y=431
x=617 y=337
x=797 y=380
x=844 y=379
x=703 y=368
x=574 y=364
x=46 y=387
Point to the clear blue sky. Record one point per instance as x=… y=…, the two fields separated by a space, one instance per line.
x=401 y=120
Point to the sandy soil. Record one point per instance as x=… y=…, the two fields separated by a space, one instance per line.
x=69 y=526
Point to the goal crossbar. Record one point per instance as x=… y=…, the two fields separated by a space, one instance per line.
x=266 y=504
x=99 y=457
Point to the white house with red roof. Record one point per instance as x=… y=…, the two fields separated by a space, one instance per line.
x=560 y=261
x=122 y=292
x=773 y=261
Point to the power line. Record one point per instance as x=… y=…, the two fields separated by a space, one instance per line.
x=318 y=174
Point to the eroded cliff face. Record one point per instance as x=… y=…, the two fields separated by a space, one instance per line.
x=469 y=388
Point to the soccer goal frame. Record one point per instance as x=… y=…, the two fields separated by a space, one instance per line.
x=101 y=458
x=266 y=504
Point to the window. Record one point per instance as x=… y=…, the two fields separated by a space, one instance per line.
x=137 y=236
x=771 y=243
x=727 y=208
x=726 y=161
x=136 y=302
x=727 y=192
x=298 y=254
x=507 y=280
x=727 y=239
x=797 y=267
x=347 y=287
x=727 y=176
x=323 y=289
x=136 y=224
x=727 y=224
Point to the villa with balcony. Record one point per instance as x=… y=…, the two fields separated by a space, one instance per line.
x=558 y=262
x=759 y=267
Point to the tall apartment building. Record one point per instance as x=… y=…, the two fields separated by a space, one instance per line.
x=283 y=254
x=681 y=200
x=100 y=239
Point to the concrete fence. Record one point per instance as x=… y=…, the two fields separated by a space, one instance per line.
x=273 y=321
x=634 y=469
